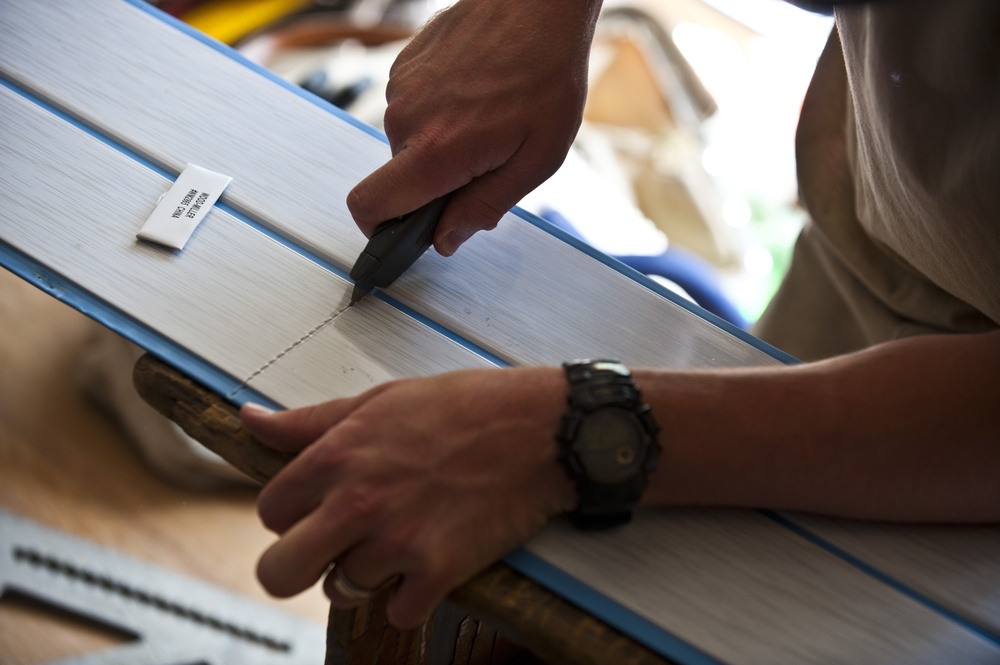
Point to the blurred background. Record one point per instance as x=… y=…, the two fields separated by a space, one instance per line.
x=684 y=167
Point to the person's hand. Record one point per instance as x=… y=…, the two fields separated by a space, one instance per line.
x=483 y=102
x=430 y=480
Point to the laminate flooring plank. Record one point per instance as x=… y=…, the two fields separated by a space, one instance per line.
x=176 y=100
x=743 y=589
x=530 y=299
x=75 y=204
x=956 y=566
x=233 y=296
x=518 y=292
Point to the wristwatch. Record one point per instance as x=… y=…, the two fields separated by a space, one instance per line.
x=607 y=441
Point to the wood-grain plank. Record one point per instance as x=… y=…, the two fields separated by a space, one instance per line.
x=234 y=296
x=293 y=164
x=738 y=586
x=955 y=566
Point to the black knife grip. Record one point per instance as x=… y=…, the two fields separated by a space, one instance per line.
x=397 y=244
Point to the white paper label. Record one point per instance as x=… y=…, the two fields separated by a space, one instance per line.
x=181 y=209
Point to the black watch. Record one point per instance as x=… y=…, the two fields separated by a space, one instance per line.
x=607 y=442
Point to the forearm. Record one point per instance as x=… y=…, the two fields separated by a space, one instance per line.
x=385 y=483
x=909 y=430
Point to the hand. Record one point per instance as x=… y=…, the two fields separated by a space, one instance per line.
x=427 y=479
x=483 y=102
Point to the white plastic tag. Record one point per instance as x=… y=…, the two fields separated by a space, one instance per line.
x=181 y=209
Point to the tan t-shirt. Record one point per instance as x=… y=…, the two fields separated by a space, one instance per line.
x=898 y=151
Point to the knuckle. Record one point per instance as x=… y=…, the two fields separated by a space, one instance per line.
x=482 y=213
x=395 y=111
x=325 y=459
x=399 y=545
x=392 y=129
x=359 y=503
x=437 y=568
x=408 y=619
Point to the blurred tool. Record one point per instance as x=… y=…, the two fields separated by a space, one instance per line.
x=172 y=618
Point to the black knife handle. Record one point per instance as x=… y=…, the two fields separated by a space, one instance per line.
x=397 y=244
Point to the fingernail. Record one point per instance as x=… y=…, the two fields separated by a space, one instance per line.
x=255 y=409
x=451 y=242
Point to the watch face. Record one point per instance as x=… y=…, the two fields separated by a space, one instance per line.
x=610 y=445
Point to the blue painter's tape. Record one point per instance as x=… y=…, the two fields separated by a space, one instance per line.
x=612 y=613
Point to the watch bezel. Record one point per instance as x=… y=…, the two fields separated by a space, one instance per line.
x=594 y=387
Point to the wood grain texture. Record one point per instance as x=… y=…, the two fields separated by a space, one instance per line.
x=746 y=590
x=127 y=66
x=225 y=297
x=207 y=418
x=955 y=566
